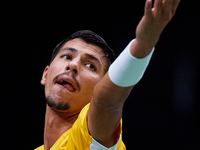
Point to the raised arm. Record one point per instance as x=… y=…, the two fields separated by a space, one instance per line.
x=108 y=98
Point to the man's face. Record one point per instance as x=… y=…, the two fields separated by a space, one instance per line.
x=71 y=77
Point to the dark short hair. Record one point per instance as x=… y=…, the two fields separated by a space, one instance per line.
x=90 y=38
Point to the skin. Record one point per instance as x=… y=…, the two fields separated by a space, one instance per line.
x=106 y=98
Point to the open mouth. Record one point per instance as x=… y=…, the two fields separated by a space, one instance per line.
x=62 y=82
x=66 y=84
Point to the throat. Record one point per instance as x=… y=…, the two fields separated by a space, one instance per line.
x=52 y=134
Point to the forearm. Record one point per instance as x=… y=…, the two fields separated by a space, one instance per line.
x=140 y=49
x=105 y=111
x=108 y=95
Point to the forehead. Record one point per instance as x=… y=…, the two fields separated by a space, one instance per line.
x=82 y=46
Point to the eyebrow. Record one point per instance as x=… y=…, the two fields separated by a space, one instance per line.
x=70 y=49
x=93 y=58
x=87 y=55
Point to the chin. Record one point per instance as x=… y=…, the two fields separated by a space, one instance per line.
x=57 y=104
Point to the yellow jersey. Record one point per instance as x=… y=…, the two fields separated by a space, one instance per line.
x=78 y=137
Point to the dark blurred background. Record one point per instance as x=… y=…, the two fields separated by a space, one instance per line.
x=161 y=113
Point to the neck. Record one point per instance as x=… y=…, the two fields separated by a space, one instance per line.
x=56 y=123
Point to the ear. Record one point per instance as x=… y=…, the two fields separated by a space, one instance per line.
x=43 y=80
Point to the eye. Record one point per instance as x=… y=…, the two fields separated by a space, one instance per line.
x=67 y=56
x=91 y=66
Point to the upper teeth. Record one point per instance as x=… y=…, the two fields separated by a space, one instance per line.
x=62 y=81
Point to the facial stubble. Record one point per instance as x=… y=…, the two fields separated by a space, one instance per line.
x=57 y=106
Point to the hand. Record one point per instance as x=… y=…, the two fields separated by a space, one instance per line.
x=154 y=21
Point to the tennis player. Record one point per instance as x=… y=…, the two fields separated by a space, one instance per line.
x=85 y=90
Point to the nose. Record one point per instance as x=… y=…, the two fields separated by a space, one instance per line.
x=73 y=66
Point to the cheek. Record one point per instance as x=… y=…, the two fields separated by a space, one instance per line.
x=48 y=85
x=55 y=68
x=89 y=82
x=52 y=73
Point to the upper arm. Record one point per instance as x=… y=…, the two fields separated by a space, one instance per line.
x=105 y=111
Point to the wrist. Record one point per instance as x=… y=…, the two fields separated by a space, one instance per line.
x=127 y=70
x=141 y=48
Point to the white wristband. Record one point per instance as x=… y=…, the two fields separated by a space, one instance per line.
x=127 y=70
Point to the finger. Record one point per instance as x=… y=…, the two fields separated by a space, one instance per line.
x=175 y=6
x=158 y=7
x=148 y=5
x=167 y=9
